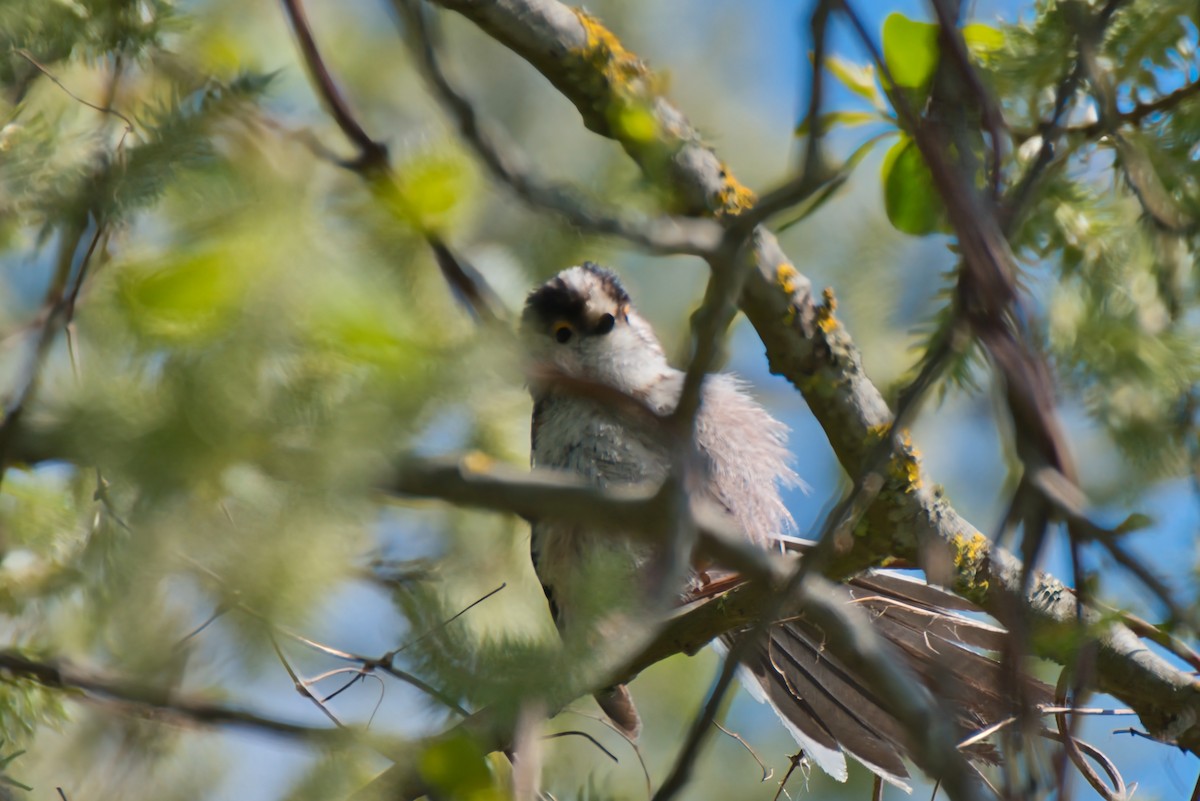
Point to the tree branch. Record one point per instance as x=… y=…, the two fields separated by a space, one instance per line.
x=157 y=701
x=372 y=155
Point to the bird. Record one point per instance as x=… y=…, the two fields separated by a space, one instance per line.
x=582 y=328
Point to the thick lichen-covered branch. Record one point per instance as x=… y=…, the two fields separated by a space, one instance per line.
x=618 y=97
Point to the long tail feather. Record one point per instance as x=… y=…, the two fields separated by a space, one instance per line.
x=825 y=704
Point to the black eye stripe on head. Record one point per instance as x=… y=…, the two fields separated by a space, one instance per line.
x=552 y=301
x=559 y=301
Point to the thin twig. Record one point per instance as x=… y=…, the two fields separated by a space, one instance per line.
x=990 y=114
x=442 y=625
x=60 y=306
x=366 y=664
x=818 y=26
x=795 y=760
x=105 y=109
x=688 y=752
x=373 y=155
x=220 y=610
x=137 y=695
x=633 y=744
x=767 y=772
x=586 y=736
x=301 y=686
x=1118 y=791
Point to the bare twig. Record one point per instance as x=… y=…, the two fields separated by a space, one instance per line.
x=633 y=744
x=1080 y=752
x=142 y=698
x=302 y=686
x=103 y=109
x=373 y=155
x=586 y=736
x=767 y=773
x=220 y=610
x=442 y=625
x=366 y=664
x=59 y=305
x=818 y=27
x=795 y=760
x=681 y=769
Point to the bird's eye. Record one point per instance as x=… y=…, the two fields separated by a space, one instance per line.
x=562 y=332
x=605 y=324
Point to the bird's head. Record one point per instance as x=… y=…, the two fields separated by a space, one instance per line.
x=581 y=322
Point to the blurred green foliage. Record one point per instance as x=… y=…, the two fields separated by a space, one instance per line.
x=260 y=334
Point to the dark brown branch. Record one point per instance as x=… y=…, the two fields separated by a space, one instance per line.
x=58 y=310
x=373 y=155
x=813 y=153
x=1141 y=111
x=157 y=700
x=993 y=121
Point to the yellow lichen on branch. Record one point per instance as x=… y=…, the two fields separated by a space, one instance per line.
x=785 y=277
x=622 y=101
x=620 y=86
x=970 y=555
x=904 y=468
x=825 y=312
x=734 y=197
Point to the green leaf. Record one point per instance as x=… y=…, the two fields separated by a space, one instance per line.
x=186 y=299
x=635 y=121
x=913 y=205
x=458 y=768
x=910 y=50
x=430 y=188
x=834 y=118
x=858 y=78
x=981 y=39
